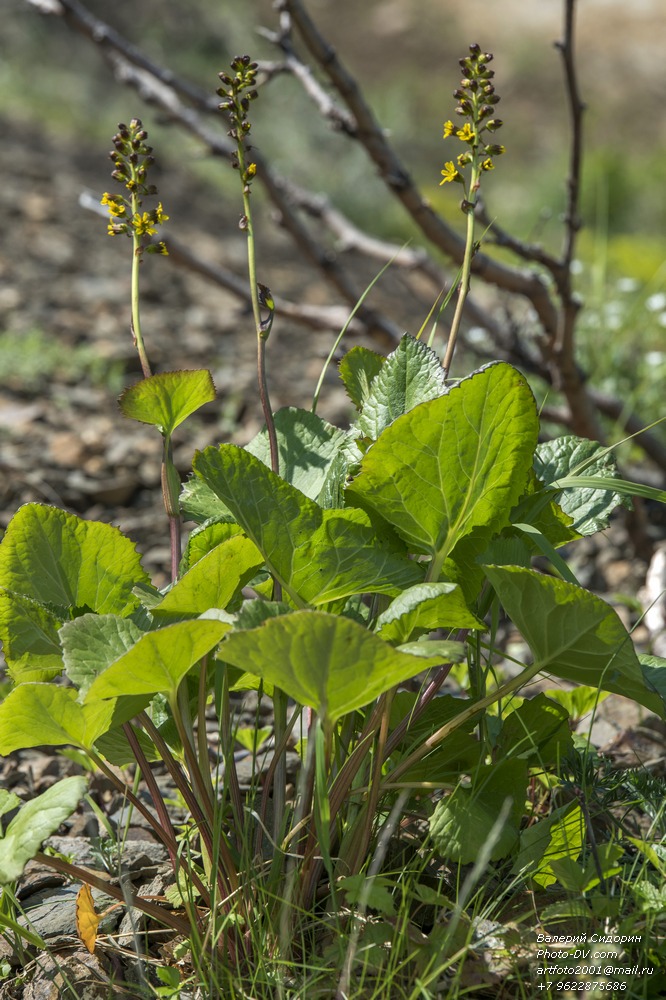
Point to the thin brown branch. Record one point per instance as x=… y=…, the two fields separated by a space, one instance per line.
x=567 y=375
x=328 y=108
x=530 y=252
x=631 y=423
x=576 y=107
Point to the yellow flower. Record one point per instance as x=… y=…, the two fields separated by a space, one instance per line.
x=449 y=129
x=488 y=164
x=144 y=224
x=466 y=133
x=449 y=173
x=114 y=203
x=159 y=214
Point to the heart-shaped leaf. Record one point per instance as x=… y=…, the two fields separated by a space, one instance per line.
x=213 y=580
x=91 y=643
x=29 y=634
x=327 y=662
x=358 y=370
x=165 y=400
x=411 y=375
x=453 y=465
x=64 y=562
x=590 y=508
x=462 y=822
x=425 y=607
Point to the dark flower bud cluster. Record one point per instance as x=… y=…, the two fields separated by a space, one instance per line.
x=132 y=158
x=237 y=93
x=476 y=102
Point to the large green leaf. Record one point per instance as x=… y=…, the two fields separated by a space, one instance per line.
x=462 y=822
x=165 y=400
x=33 y=715
x=590 y=508
x=411 y=375
x=29 y=634
x=317 y=555
x=159 y=660
x=422 y=608
x=213 y=580
x=62 y=561
x=453 y=465
x=36 y=821
x=327 y=662
x=308 y=448
x=92 y=642
x=573 y=634
x=314 y=457
x=198 y=503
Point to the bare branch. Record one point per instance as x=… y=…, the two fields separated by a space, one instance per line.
x=566 y=374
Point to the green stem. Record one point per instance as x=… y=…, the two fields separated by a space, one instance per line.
x=137 y=336
x=463 y=288
x=262 y=334
x=170 y=491
x=280 y=780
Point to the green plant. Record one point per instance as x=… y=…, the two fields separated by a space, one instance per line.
x=375 y=558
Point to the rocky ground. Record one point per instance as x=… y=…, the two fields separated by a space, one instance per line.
x=66 y=352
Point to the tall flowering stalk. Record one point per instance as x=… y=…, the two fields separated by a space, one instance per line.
x=477 y=99
x=237 y=93
x=132 y=158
